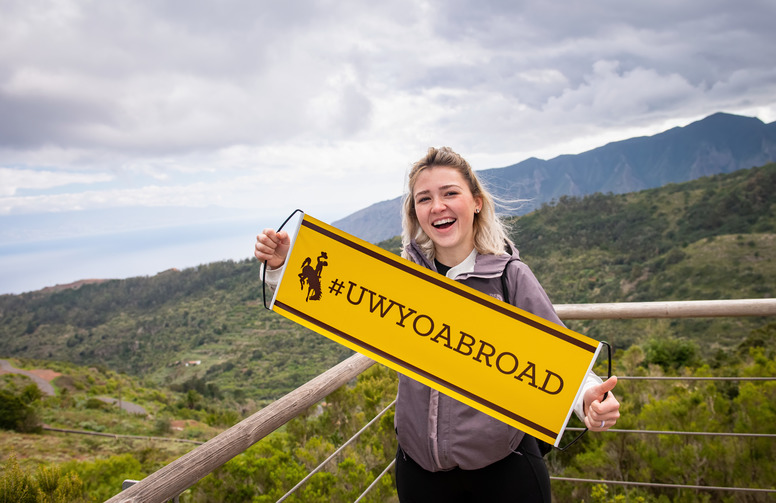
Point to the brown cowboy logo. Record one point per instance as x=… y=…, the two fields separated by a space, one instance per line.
x=313 y=276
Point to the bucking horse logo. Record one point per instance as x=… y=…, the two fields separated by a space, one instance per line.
x=313 y=276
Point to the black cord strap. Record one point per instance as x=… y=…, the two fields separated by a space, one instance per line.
x=264 y=272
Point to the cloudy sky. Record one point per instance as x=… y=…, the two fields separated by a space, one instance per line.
x=141 y=135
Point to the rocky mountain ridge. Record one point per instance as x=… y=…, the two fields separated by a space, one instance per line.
x=720 y=143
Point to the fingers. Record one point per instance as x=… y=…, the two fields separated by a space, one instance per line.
x=602 y=425
x=602 y=415
x=266 y=244
x=272 y=247
x=279 y=238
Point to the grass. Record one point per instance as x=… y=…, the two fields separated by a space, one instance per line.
x=53 y=448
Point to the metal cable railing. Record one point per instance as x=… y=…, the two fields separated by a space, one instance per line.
x=376 y=480
x=576 y=429
x=682 y=378
x=334 y=454
x=631 y=483
x=670 y=432
x=666 y=486
x=182 y=473
x=689 y=433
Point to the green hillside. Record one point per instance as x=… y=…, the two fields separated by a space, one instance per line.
x=643 y=246
x=151 y=327
x=123 y=444
x=707 y=239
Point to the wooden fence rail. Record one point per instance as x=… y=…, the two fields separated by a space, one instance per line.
x=176 y=477
x=184 y=472
x=117 y=436
x=678 y=309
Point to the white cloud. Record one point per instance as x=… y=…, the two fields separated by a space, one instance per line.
x=15 y=180
x=161 y=81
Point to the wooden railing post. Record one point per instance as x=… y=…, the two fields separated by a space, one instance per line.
x=173 y=479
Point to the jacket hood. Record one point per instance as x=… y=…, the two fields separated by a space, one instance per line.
x=485 y=266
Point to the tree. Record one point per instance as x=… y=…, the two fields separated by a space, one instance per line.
x=18 y=411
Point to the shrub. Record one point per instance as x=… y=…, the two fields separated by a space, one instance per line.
x=48 y=485
x=671 y=353
x=18 y=412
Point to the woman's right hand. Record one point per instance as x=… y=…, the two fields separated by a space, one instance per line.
x=272 y=247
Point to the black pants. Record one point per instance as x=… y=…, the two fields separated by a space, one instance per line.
x=521 y=476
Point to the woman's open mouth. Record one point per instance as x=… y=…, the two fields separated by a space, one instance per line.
x=444 y=223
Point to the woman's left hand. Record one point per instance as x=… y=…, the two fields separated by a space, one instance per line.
x=601 y=413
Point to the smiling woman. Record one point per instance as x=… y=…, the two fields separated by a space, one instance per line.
x=449 y=451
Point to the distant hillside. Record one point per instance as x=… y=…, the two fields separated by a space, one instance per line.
x=720 y=143
x=712 y=238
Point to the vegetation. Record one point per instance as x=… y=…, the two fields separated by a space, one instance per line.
x=687 y=406
x=271 y=467
x=47 y=485
x=17 y=410
x=138 y=340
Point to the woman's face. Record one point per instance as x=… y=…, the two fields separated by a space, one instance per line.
x=445 y=208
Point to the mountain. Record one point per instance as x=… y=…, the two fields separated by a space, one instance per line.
x=720 y=143
x=374 y=223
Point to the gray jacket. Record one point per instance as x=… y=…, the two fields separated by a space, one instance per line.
x=439 y=432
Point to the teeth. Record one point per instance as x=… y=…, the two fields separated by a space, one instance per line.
x=443 y=222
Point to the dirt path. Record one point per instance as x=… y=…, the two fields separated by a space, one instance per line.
x=43 y=384
x=127 y=406
x=42 y=378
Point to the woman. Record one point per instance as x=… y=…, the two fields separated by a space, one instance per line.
x=448 y=451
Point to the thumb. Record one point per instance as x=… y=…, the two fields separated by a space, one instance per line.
x=607 y=386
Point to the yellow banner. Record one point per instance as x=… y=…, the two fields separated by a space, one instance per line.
x=503 y=361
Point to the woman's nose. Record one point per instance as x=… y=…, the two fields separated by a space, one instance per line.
x=437 y=205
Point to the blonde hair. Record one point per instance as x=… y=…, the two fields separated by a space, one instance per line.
x=490 y=233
